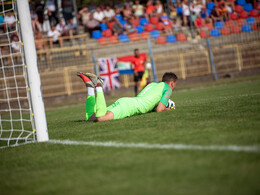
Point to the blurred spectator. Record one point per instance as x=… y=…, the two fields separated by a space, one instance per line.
x=223 y=12
x=159 y=8
x=119 y=4
x=193 y=16
x=176 y=26
x=61 y=27
x=197 y=7
x=16 y=45
x=39 y=9
x=54 y=35
x=51 y=8
x=127 y=12
x=215 y=15
x=2 y=25
x=35 y=23
x=199 y=22
x=72 y=28
x=203 y=13
x=92 y=24
x=99 y=15
x=109 y=13
x=150 y=8
x=129 y=27
x=83 y=15
x=92 y=6
x=40 y=43
x=186 y=12
x=173 y=11
x=117 y=27
x=138 y=9
x=67 y=9
x=10 y=20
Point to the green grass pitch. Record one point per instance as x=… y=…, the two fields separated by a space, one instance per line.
x=222 y=115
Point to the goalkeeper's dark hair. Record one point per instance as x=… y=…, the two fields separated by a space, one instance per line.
x=169 y=76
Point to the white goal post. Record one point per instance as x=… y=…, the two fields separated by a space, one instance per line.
x=32 y=70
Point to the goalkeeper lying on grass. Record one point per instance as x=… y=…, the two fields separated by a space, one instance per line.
x=153 y=95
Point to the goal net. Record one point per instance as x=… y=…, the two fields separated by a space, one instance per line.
x=17 y=118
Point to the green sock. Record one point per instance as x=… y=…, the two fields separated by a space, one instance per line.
x=90 y=103
x=101 y=103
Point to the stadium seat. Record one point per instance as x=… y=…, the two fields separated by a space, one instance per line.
x=96 y=34
x=181 y=37
x=154 y=34
x=135 y=22
x=248 y=7
x=246 y=28
x=134 y=37
x=236 y=29
x=209 y=26
x=107 y=33
x=203 y=34
x=244 y=14
x=119 y=17
x=110 y=25
x=139 y=29
x=159 y=26
x=102 y=41
x=255 y=27
x=148 y=27
x=209 y=12
x=219 y=25
x=238 y=8
x=113 y=40
x=160 y=40
x=171 y=39
x=122 y=22
x=234 y=16
x=229 y=23
x=254 y=13
x=240 y=22
x=215 y=33
x=103 y=26
x=241 y=2
x=250 y=21
x=123 y=38
x=210 y=5
x=258 y=19
x=145 y=35
x=143 y=21
x=225 y=31
x=154 y=20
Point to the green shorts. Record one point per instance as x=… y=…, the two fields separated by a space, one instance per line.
x=124 y=107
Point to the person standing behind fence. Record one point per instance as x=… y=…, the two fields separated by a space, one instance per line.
x=138 y=67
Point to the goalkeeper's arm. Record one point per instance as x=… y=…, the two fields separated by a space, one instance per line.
x=161 y=107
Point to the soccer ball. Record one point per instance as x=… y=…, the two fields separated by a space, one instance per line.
x=170 y=104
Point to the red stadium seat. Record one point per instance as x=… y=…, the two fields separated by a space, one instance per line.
x=160 y=26
x=225 y=31
x=244 y=14
x=209 y=26
x=145 y=35
x=258 y=19
x=234 y=16
x=229 y=23
x=203 y=34
x=154 y=20
x=240 y=22
x=110 y=25
x=149 y=27
x=102 y=41
x=107 y=33
x=254 y=13
x=238 y=8
x=135 y=22
x=160 y=40
x=255 y=27
x=113 y=39
x=134 y=37
x=236 y=29
x=181 y=37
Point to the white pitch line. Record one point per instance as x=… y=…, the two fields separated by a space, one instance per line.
x=233 y=148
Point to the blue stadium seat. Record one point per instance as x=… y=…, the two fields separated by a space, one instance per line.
x=219 y=25
x=250 y=21
x=215 y=33
x=139 y=29
x=96 y=34
x=143 y=21
x=210 y=5
x=154 y=34
x=246 y=28
x=241 y=2
x=103 y=26
x=123 y=38
x=171 y=39
x=248 y=7
x=119 y=17
x=122 y=22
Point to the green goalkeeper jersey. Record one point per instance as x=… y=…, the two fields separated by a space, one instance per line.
x=145 y=102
